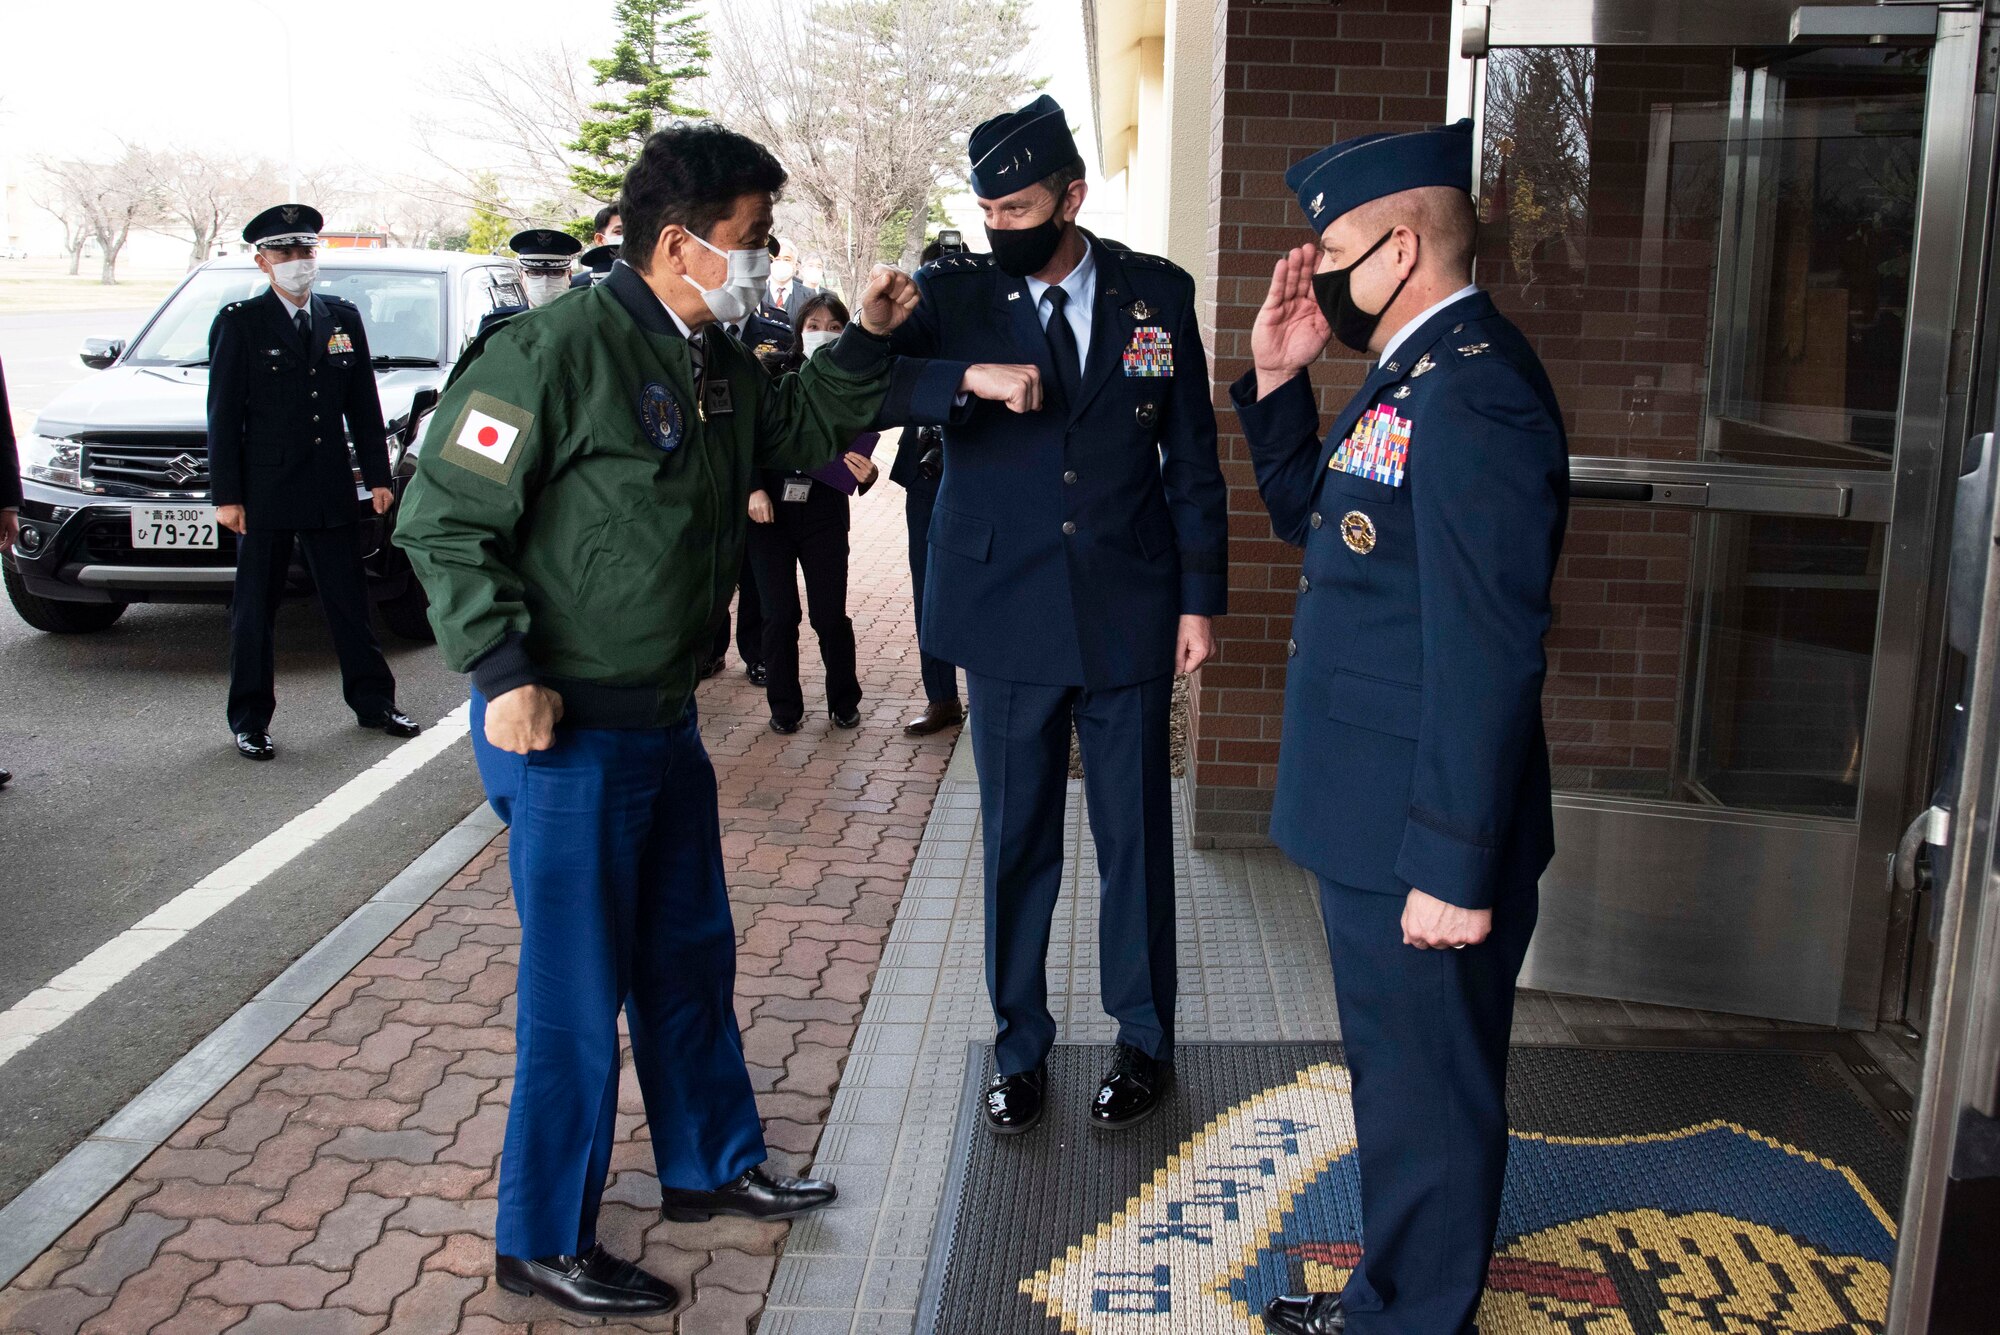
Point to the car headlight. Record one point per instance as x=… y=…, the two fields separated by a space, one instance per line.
x=56 y=462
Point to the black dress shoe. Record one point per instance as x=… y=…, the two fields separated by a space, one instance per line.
x=756 y=1195
x=6 y=777
x=594 y=1284
x=851 y=719
x=396 y=723
x=1131 y=1090
x=937 y=716
x=1305 y=1314
x=1014 y=1102
x=787 y=726
x=758 y=674
x=255 y=745
x=711 y=667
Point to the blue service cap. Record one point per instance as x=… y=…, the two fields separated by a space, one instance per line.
x=284 y=225
x=544 y=248
x=1014 y=150
x=1347 y=175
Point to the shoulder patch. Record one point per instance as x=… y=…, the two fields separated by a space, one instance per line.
x=486 y=437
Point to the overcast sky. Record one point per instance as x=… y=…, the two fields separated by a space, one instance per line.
x=75 y=77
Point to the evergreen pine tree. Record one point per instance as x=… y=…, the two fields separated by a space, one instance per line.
x=661 y=43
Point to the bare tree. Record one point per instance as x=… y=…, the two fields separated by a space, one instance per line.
x=868 y=103
x=111 y=198
x=521 y=109
x=202 y=193
x=50 y=199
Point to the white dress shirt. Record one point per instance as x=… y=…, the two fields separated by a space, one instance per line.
x=1389 y=348
x=1082 y=288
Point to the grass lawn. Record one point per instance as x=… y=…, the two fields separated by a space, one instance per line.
x=43 y=285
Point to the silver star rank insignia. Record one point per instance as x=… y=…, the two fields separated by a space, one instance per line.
x=1473 y=349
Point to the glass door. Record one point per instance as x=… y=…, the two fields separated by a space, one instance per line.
x=1715 y=250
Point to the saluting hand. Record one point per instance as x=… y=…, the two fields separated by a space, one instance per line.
x=1431 y=924
x=887 y=300
x=1019 y=387
x=524 y=719
x=1289 y=332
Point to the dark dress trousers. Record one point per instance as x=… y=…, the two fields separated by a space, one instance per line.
x=1431 y=516
x=770 y=342
x=806 y=537
x=919 y=499
x=277 y=403
x=1065 y=545
x=10 y=458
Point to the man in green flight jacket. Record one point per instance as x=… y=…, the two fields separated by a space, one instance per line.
x=576 y=518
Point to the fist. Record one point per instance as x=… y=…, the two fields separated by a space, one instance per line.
x=760 y=507
x=887 y=300
x=1019 y=387
x=1429 y=923
x=524 y=719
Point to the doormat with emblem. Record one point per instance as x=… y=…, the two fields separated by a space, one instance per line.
x=1665 y=1190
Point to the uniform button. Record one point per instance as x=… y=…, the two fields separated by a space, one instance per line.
x=316 y=440
x=313 y=395
x=1316 y=520
x=313 y=371
x=315 y=417
x=1070 y=477
x=1305 y=585
x=1069 y=529
x=1291 y=648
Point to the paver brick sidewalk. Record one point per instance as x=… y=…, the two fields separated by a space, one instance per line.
x=345 y=1182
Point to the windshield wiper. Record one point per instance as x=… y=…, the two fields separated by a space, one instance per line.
x=402 y=361
x=198 y=361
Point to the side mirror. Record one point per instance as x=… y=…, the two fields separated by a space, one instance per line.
x=98 y=353
x=422 y=402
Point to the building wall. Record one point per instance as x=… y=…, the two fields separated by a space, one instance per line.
x=1289 y=78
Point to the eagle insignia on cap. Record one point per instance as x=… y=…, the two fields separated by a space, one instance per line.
x=290 y=213
x=1318 y=200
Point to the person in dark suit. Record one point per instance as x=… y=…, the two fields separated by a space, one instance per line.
x=1413 y=777
x=286 y=370
x=608 y=231
x=1077 y=555
x=543 y=256
x=10 y=493
x=918 y=468
x=798 y=524
x=785 y=295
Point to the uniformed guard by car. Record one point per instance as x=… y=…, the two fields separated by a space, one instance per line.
x=577 y=516
x=1077 y=554
x=1413 y=776
x=290 y=387
x=543 y=256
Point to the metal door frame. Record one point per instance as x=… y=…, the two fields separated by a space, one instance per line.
x=1931 y=407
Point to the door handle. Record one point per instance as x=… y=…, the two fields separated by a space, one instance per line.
x=1593 y=489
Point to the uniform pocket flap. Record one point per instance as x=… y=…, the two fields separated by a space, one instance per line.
x=1362 y=488
x=1377 y=705
x=961 y=535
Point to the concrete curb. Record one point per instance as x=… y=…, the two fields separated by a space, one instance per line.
x=46 y=1209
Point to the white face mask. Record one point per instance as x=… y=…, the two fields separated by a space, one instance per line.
x=544 y=288
x=295 y=276
x=741 y=291
x=815 y=339
x=782 y=272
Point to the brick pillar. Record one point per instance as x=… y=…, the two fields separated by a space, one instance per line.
x=1289 y=78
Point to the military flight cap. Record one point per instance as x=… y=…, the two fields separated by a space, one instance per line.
x=599 y=258
x=284 y=225
x=1348 y=174
x=544 y=248
x=1018 y=148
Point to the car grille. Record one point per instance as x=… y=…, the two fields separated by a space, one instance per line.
x=158 y=464
x=107 y=540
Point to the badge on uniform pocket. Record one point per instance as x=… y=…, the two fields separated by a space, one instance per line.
x=340 y=342
x=1150 y=353
x=661 y=416
x=1378 y=448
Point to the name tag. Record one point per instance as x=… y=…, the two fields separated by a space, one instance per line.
x=797 y=489
x=717 y=399
x=1378 y=448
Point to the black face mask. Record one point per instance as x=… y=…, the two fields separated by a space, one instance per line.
x=1350 y=324
x=1021 y=251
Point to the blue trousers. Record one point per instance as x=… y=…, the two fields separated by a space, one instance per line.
x=616 y=855
x=1020 y=742
x=1426 y=1037
x=940 y=677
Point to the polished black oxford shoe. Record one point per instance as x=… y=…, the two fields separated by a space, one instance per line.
x=396 y=723
x=255 y=745
x=594 y=1284
x=758 y=674
x=1130 y=1091
x=6 y=777
x=785 y=726
x=756 y=1195
x=1014 y=1102
x=1305 y=1314
x=851 y=719
x=937 y=716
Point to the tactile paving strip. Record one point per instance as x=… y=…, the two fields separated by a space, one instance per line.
x=1692 y=1191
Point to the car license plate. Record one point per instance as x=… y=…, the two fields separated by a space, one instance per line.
x=174 y=526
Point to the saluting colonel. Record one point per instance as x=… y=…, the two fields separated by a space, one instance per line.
x=543 y=255
x=1077 y=555
x=1413 y=777
x=287 y=371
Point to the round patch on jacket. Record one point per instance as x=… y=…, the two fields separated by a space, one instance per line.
x=1358 y=532
x=661 y=416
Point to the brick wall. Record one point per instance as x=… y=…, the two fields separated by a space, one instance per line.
x=1289 y=78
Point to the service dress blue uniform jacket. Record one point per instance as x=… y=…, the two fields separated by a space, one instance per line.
x=1413 y=753
x=1067 y=543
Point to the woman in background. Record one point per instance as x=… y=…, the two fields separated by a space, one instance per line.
x=799 y=521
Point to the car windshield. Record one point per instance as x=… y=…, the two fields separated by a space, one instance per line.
x=402 y=312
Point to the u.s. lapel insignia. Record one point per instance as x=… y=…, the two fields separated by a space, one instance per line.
x=1473 y=349
x=1402 y=392
x=1014 y=295
x=1357 y=530
x=1424 y=364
